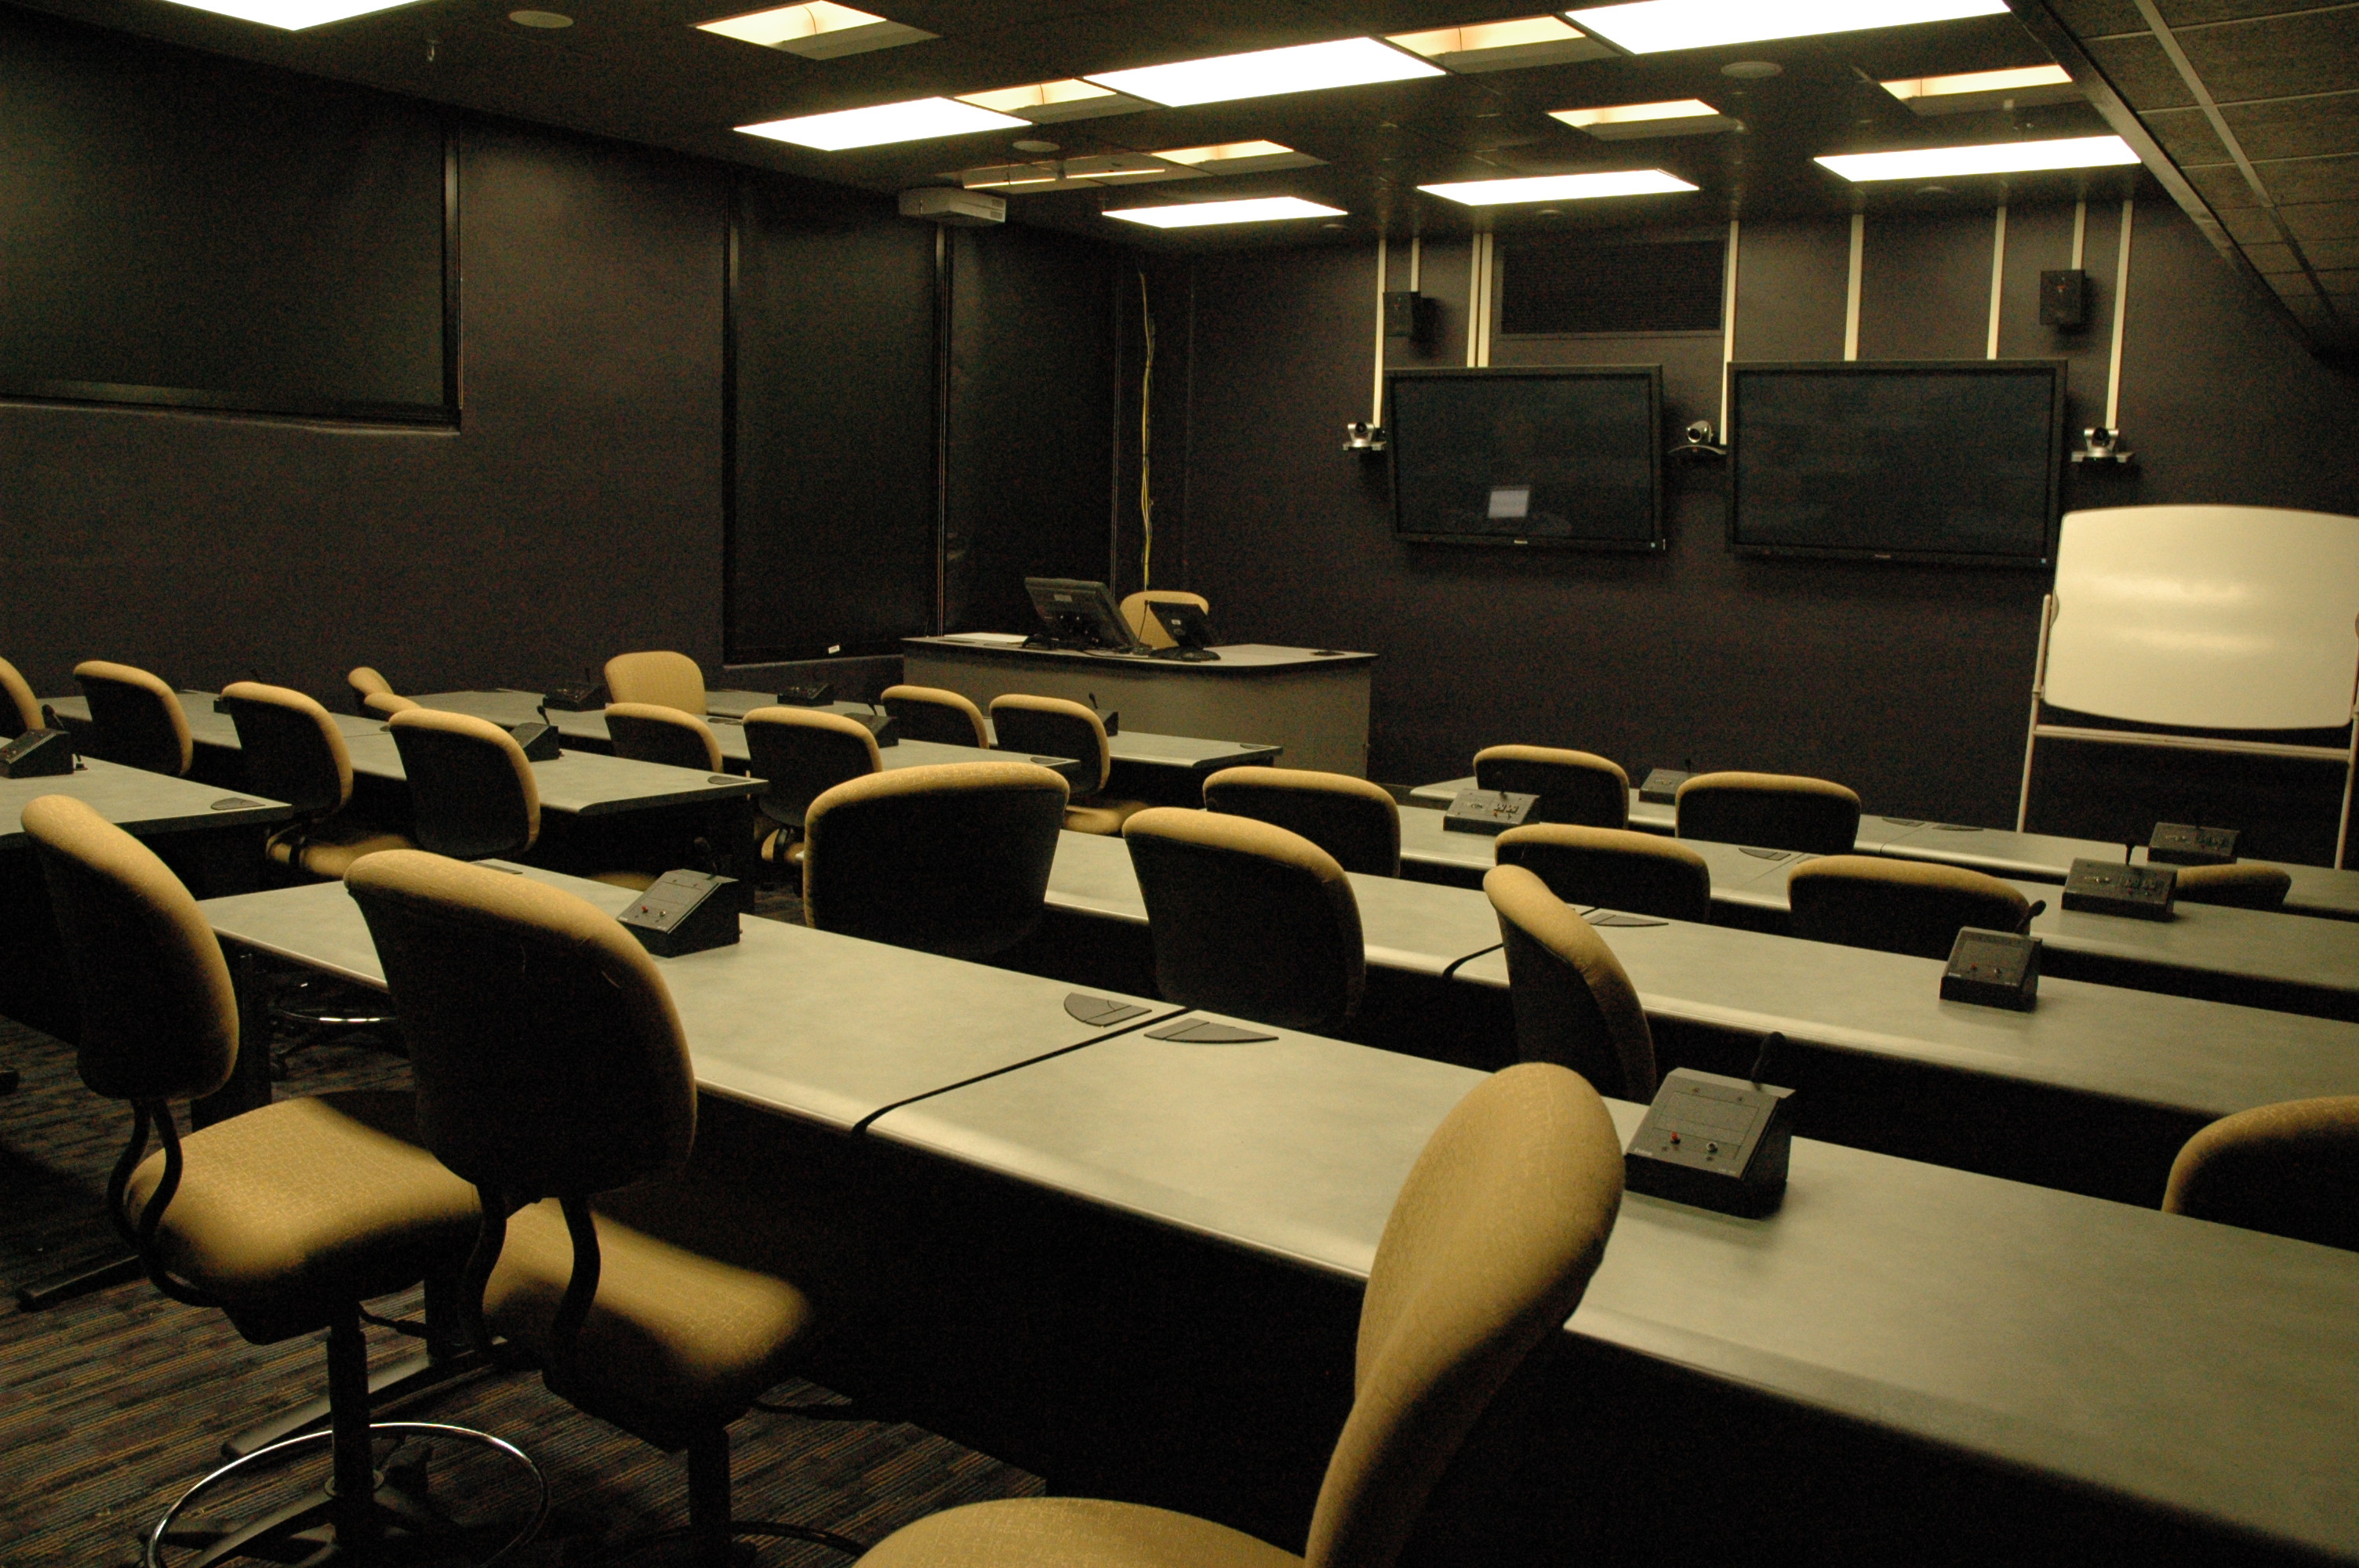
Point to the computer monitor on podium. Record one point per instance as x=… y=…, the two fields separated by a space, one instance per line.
x=1077 y=614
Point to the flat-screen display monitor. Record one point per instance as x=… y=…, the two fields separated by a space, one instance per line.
x=1565 y=456
x=1957 y=460
x=1079 y=615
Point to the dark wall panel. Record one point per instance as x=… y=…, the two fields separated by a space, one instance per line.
x=576 y=513
x=184 y=229
x=1031 y=428
x=1911 y=684
x=1924 y=286
x=832 y=537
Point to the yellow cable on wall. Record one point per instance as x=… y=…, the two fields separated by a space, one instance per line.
x=1145 y=496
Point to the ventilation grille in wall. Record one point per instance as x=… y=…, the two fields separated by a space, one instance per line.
x=1550 y=286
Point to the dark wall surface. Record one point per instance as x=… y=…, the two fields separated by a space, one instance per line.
x=575 y=512
x=1909 y=683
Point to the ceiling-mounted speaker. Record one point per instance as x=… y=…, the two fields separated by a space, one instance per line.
x=950 y=205
x=2064 y=298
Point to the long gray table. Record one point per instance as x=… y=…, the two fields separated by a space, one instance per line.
x=2181 y=1364
x=2318 y=891
x=2096 y=1089
x=2183 y=1375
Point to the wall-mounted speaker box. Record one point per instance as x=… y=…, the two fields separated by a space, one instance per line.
x=2064 y=298
x=1408 y=314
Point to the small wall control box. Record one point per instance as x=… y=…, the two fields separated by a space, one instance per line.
x=1993 y=969
x=2108 y=886
x=1718 y=1143
x=685 y=912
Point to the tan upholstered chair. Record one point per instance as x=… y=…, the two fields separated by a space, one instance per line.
x=1578 y=788
x=284 y=1219
x=2290 y=1169
x=931 y=713
x=1614 y=867
x=293 y=752
x=1899 y=906
x=19 y=710
x=1488 y=1250
x=138 y=719
x=2242 y=885
x=950 y=859
x=1352 y=819
x=1051 y=727
x=1574 y=1003
x=1769 y=811
x=1142 y=621
x=653 y=733
x=473 y=795
x=1248 y=919
x=803 y=753
x=551 y=1069
x=376 y=693
x=666 y=679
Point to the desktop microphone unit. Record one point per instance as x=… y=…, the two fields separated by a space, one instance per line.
x=2177 y=844
x=2106 y=887
x=1719 y=1144
x=685 y=912
x=38 y=754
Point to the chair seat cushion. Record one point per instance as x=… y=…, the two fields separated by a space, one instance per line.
x=1102 y=816
x=1070 y=1533
x=293 y=1208
x=327 y=850
x=779 y=849
x=674 y=1342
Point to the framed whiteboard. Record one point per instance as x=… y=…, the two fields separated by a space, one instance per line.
x=2206 y=617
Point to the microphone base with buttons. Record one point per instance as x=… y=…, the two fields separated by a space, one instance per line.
x=1718 y=1143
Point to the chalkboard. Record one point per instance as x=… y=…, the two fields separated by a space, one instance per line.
x=2207 y=617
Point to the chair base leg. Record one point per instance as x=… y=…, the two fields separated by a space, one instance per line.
x=387 y=1385
x=84 y=1278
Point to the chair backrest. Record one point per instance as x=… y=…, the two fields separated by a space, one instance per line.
x=290 y=746
x=137 y=717
x=933 y=713
x=1354 y=820
x=2291 y=1169
x=1489 y=1249
x=651 y=733
x=19 y=710
x=1897 y=906
x=1140 y=619
x=367 y=681
x=2242 y=886
x=385 y=704
x=550 y=1059
x=1640 y=873
x=804 y=753
x=951 y=858
x=1578 y=788
x=158 y=1019
x=471 y=793
x=1769 y=811
x=1052 y=726
x=664 y=678
x=1248 y=919
x=1574 y=1003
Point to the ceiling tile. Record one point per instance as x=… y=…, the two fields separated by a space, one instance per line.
x=2222 y=187
x=2196 y=13
x=2322 y=221
x=2267 y=259
x=2098 y=18
x=2312 y=180
x=2310 y=51
x=2186 y=136
x=2296 y=127
x=2338 y=255
x=2141 y=72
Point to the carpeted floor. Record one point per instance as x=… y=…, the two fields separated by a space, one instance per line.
x=111 y=1404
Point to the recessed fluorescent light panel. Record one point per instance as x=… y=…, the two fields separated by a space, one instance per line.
x=918 y=120
x=1980 y=89
x=817 y=31
x=1651 y=26
x=1199 y=214
x=1997 y=158
x=1559 y=188
x=1633 y=122
x=1046 y=102
x=1239 y=157
x=1073 y=173
x=1265 y=73
x=1502 y=46
x=292 y=15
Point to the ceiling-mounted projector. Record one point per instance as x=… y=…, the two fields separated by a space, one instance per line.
x=948 y=204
